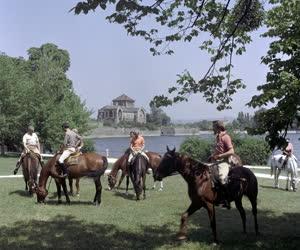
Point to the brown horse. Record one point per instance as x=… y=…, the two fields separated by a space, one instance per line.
x=197 y=175
x=30 y=165
x=137 y=170
x=89 y=164
x=121 y=164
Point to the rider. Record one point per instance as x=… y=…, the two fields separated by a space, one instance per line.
x=223 y=150
x=137 y=145
x=31 y=144
x=81 y=142
x=71 y=142
x=287 y=151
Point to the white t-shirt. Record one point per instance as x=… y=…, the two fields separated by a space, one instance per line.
x=30 y=140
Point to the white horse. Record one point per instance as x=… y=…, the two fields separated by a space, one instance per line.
x=277 y=164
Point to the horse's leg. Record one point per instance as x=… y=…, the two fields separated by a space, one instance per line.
x=58 y=188
x=253 y=201
x=212 y=217
x=154 y=184
x=121 y=179
x=239 y=206
x=183 y=224
x=161 y=186
x=127 y=184
x=77 y=187
x=71 y=186
x=97 y=198
x=287 y=187
x=144 y=186
x=277 y=177
x=64 y=186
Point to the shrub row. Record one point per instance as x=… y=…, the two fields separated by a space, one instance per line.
x=252 y=150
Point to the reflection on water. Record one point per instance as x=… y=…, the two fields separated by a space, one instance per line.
x=117 y=145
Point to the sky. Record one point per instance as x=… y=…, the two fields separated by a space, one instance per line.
x=106 y=63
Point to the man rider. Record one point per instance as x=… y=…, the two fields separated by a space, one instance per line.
x=223 y=150
x=31 y=144
x=71 y=142
x=137 y=145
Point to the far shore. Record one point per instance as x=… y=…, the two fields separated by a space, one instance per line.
x=111 y=132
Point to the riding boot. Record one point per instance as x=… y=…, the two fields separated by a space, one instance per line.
x=225 y=201
x=64 y=170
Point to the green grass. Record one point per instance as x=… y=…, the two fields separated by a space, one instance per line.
x=122 y=223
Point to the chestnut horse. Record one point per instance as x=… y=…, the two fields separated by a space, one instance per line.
x=30 y=165
x=241 y=181
x=121 y=164
x=89 y=164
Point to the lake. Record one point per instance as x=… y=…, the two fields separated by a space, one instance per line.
x=117 y=145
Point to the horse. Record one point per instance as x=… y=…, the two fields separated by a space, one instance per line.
x=88 y=164
x=276 y=162
x=137 y=170
x=121 y=164
x=30 y=165
x=241 y=181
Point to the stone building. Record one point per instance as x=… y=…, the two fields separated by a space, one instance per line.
x=122 y=109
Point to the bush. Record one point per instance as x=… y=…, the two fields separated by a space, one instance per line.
x=253 y=151
x=88 y=146
x=196 y=148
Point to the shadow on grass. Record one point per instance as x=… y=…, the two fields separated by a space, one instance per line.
x=65 y=232
x=125 y=196
x=275 y=232
x=22 y=193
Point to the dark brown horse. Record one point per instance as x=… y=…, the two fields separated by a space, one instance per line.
x=137 y=170
x=121 y=164
x=30 y=165
x=89 y=164
x=197 y=175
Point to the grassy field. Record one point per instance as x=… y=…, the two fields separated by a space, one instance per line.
x=122 y=223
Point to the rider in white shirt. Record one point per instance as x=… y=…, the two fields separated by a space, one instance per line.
x=31 y=144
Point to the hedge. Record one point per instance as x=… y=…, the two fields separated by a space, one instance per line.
x=252 y=150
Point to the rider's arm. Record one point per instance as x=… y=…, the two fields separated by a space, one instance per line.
x=24 y=143
x=38 y=143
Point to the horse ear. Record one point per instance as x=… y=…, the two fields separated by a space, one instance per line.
x=168 y=148
x=174 y=150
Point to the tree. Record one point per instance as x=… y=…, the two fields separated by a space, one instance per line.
x=158 y=117
x=228 y=24
x=37 y=92
x=282 y=87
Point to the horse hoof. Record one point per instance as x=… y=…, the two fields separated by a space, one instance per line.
x=59 y=202
x=214 y=244
x=160 y=189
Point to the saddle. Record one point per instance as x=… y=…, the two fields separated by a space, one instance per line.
x=73 y=159
x=135 y=156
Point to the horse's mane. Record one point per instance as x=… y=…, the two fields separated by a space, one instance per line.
x=127 y=151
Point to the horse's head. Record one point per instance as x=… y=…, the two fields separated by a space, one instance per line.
x=41 y=195
x=111 y=181
x=167 y=165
